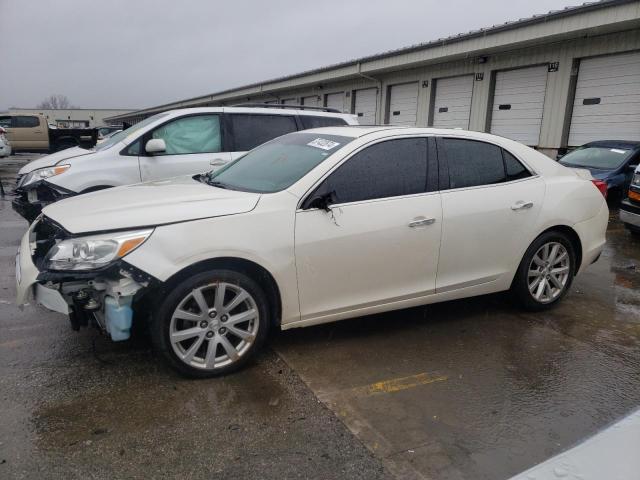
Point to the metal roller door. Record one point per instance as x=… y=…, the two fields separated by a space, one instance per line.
x=335 y=100
x=607 y=101
x=311 y=101
x=518 y=102
x=289 y=101
x=452 y=103
x=366 y=104
x=403 y=104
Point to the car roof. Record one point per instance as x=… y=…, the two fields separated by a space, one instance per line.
x=259 y=110
x=357 y=131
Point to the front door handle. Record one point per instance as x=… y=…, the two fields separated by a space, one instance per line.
x=422 y=223
x=520 y=205
x=217 y=162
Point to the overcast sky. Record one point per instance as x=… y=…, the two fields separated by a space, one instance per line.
x=140 y=53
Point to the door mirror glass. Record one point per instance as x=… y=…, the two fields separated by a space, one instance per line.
x=155 y=145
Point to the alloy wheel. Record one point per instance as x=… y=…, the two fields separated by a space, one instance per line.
x=214 y=325
x=548 y=272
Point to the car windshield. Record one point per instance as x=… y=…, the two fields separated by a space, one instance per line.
x=601 y=158
x=277 y=164
x=121 y=135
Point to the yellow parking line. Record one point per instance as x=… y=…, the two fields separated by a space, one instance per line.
x=403 y=383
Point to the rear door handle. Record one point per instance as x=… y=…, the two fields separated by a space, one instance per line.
x=422 y=223
x=520 y=205
x=217 y=162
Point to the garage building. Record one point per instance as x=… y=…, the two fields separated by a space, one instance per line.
x=551 y=81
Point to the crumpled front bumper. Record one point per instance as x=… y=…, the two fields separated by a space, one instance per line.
x=27 y=287
x=29 y=201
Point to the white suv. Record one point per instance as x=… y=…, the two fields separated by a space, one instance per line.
x=178 y=142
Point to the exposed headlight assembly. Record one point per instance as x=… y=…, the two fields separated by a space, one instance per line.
x=89 y=253
x=43 y=173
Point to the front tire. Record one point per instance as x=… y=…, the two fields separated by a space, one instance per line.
x=212 y=323
x=545 y=272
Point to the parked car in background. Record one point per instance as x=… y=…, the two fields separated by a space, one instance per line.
x=32 y=133
x=630 y=206
x=107 y=136
x=5 y=146
x=178 y=142
x=612 y=162
x=313 y=227
x=105 y=132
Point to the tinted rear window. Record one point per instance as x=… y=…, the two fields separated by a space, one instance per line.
x=251 y=130
x=309 y=121
x=473 y=163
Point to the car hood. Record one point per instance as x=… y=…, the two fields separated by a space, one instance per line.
x=148 y=204
x=51 y=160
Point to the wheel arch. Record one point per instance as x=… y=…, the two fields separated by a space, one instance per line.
x=573 y=237
x=255 y=271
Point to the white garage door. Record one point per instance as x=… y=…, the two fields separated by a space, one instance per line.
x=366 y=104
x=607 y=103
x=289 y=101
x=517 y=104
x=311 y=101
x=335 y=100
x=403 y=104
x=452 y=106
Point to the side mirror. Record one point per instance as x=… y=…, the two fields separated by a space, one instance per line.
x=632 y=167
x=321 y=201
x=155 y=145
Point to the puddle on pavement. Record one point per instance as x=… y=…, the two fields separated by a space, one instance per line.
x=158 y=401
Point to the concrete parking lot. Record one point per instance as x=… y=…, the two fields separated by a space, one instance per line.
x=467 y=389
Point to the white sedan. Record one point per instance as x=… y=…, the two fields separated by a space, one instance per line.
x=313 y=227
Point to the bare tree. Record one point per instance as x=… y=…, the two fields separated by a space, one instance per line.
x=56 y=101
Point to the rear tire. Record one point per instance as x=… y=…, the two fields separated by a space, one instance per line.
x=545 y=272
x=211 y=324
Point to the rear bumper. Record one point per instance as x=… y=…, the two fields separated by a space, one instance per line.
x=592 y=235
x=630 y=213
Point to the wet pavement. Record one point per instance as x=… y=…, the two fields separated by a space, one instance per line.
x=472 y=389
x=476 y=388
x=75 y=405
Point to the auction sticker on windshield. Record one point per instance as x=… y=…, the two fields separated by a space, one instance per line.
x=323 y=144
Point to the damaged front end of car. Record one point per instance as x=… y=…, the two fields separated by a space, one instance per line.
x=30 y=198
x=86 y=277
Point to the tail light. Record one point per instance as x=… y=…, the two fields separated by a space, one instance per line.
x=602 y=186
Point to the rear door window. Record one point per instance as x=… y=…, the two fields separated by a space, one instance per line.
x=472 y=163
x=251 y=130
x=387 y=169
x=309 y=121
x=26 y=122
x=515 y=169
